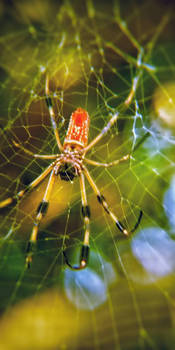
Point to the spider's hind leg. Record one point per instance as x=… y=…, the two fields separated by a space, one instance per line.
x=101 y=199
x=41 y=211
x=84 y=255
x=13 y=200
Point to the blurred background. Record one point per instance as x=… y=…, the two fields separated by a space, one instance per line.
x=95 y=52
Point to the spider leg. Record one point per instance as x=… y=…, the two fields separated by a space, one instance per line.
x=33 y=184
x=86 y=215
x=138 y=63
x=123 y=159
x=102 y=133
x=41 y=211
x=132 y=92
x=113 y=119
x=42 y=156
x=102 y=201
x=126 y=104
x=106 y=165
x=52 y=114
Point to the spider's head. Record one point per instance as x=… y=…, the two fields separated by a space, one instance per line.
x=67 y=172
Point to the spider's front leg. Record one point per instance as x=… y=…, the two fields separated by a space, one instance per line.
x=52 y=113
x=41 y=211
x=86 y=215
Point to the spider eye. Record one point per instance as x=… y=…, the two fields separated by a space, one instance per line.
x=67 y=172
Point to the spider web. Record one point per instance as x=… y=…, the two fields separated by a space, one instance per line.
x=125 y=298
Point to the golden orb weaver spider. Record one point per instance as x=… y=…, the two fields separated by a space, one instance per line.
x=69 y=163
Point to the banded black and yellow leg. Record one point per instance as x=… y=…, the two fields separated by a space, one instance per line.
x=121 y=160
x=86 y=216
x=103 y=132
x=35 y=155
x=41 y=211
x=107 y=165
x=52 y=114
x=13 y=200
x=101 y=199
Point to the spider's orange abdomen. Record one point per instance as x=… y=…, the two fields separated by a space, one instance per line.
x=78 y=128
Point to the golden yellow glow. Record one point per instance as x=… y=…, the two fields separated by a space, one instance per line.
x=164 y=105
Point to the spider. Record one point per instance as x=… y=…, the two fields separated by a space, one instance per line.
x=68 y=164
